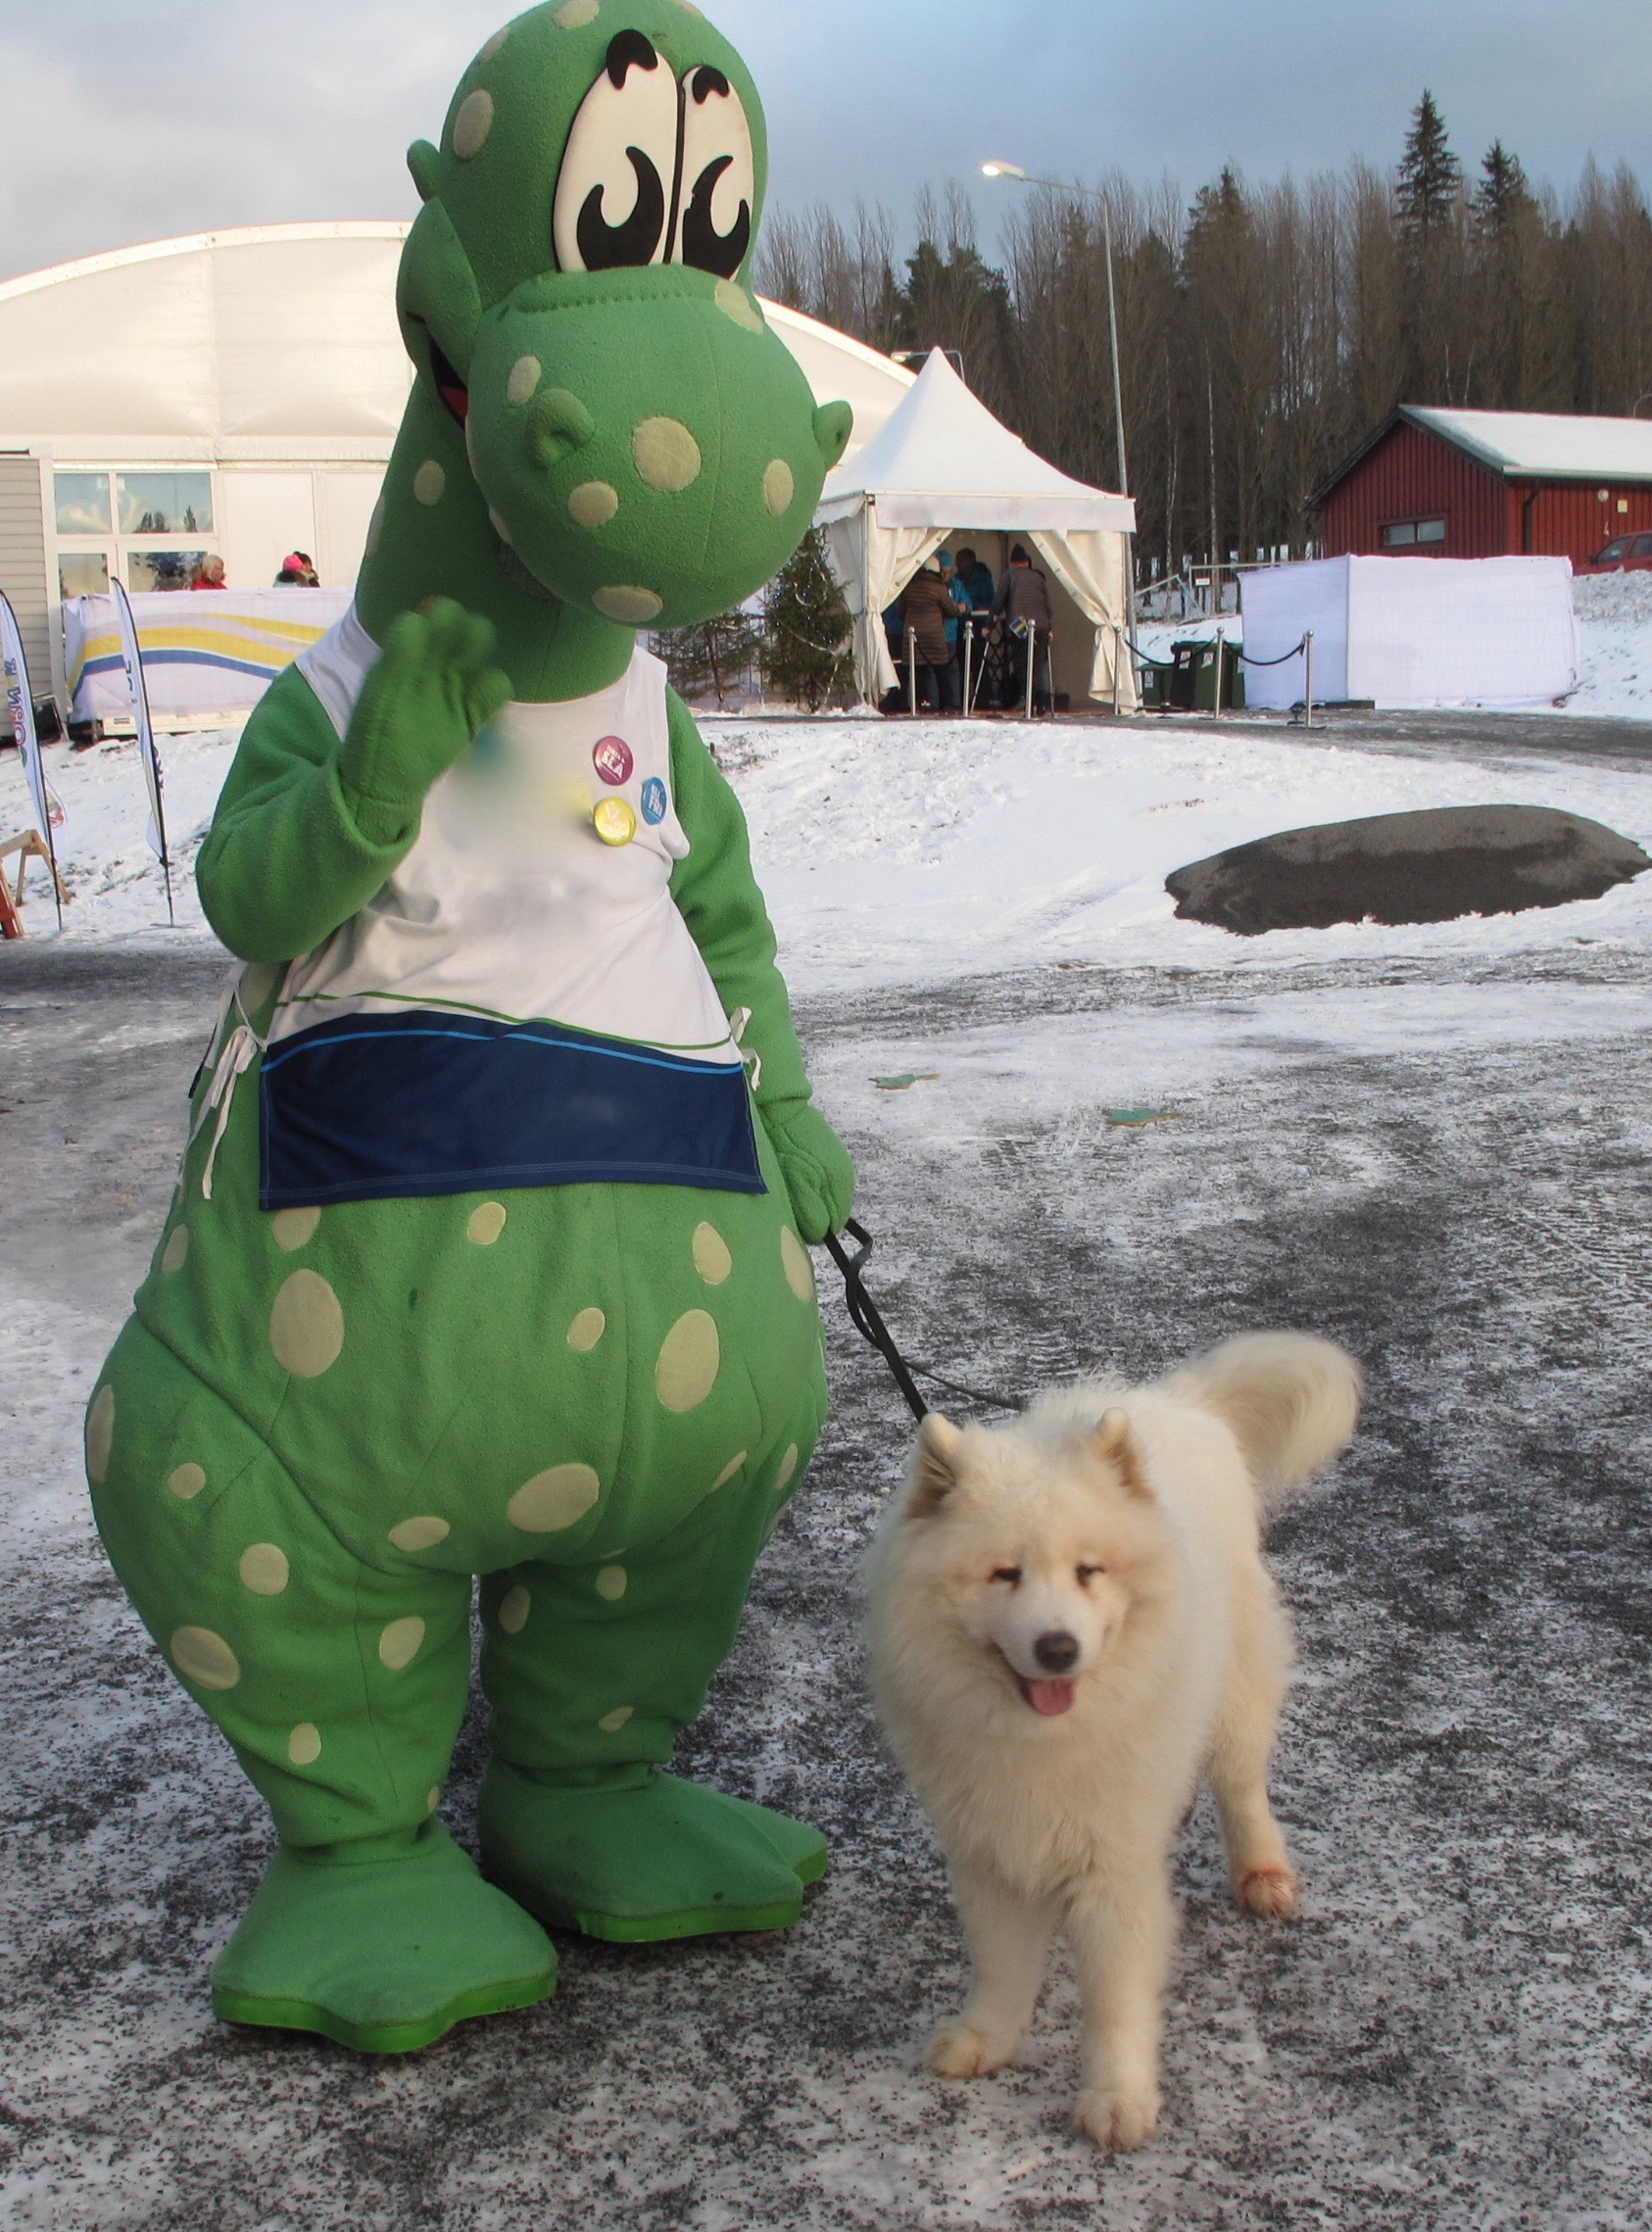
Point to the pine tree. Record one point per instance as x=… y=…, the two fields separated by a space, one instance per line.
x=1430 y=177
x=806 y=648
x=1503 y=195
x=712 y=654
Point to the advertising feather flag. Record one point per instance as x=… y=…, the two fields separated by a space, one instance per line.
x=132 y=658
x=19 y=701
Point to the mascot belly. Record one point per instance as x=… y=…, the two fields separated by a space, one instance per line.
x=488 y=1253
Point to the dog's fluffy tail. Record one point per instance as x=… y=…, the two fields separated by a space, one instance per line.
x=1289 y=1400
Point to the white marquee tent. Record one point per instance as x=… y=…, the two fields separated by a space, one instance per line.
x=941 y=464
x=235 y=395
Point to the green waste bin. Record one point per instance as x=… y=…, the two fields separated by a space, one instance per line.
x=1199 y=678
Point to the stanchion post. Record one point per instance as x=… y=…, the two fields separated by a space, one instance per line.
x=1032 y=662
x=1216 y=681
x=1307 y=678
x=912 y=672
x=968 y=627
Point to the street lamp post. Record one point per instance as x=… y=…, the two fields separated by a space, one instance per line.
x=1090 y=194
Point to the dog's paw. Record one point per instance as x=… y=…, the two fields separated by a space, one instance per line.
x=1270 y=1891
x=1115 y=2118
x=960 y=2049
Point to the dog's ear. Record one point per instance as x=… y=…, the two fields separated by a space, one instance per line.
x=1114 y=1442
x=933 y=1465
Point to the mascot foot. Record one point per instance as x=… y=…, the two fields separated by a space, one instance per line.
x=384 y=1955
x=648 y=1858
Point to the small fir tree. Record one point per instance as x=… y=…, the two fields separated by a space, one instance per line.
x=711 y=655
x=1502 y=196
x=806 y=657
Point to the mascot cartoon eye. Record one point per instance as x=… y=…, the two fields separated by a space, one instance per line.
x=618 y=173
x=719 y=177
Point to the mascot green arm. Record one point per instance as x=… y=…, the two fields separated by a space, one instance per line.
x=306 y=828
x=717 y=895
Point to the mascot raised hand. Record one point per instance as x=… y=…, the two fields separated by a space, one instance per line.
x=488 y=1255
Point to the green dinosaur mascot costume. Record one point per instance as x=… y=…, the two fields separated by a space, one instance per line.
x=492 y=1261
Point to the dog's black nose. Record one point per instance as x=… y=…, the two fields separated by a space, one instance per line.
x=1058 y=1650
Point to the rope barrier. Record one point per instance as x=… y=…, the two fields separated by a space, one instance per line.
x=1299 y=644
x=1168 y=665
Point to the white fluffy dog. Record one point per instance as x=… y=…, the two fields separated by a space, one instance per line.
x=1070 y=1622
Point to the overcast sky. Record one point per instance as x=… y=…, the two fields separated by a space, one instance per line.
x=126 y=122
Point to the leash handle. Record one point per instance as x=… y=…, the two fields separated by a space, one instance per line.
x=863 y=1312
x=864 y=1316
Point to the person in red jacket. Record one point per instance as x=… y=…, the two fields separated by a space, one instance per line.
x=208 y=574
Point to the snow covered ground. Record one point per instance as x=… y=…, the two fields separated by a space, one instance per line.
x=932 y=848
x=1431 y=1143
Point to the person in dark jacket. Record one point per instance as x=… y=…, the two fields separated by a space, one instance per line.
x=972 y=591
x=1023 y=599
x=925 y=609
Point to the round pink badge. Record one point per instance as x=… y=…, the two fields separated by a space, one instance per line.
x=612 y=759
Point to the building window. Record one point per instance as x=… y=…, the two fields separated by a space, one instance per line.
x=83 y=573
x=1405 y=534
x=165 y=503
x=83 y=502
x=148 y=570
x=150 y=529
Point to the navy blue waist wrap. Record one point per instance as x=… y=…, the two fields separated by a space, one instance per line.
x=380 y=1107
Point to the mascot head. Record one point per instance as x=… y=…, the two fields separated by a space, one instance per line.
x=575 y=293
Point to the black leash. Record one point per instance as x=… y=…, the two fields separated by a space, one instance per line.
x=867 y=1321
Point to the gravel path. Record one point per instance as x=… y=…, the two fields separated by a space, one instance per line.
x=1444 y=1166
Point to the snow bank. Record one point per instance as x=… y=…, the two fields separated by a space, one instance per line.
x=1615 y=640
x=911 y=852
x=114 y=878
x=932 y=850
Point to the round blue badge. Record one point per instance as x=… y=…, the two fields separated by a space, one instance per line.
x=653 y=799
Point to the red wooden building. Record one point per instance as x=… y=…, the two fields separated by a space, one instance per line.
x=1487 y=484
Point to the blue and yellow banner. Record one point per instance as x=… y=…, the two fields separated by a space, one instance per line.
x=204 y=651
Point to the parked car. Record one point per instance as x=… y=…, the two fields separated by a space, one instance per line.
x=1628 y=553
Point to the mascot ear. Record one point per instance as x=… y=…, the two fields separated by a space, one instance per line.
x=832 y=424
x=421 y=162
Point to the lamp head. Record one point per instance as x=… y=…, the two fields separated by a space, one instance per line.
x=1002 y=170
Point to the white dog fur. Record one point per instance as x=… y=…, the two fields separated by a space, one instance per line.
x=1070 y=1622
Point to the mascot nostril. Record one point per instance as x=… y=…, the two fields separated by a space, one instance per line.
x=558 y=425
x=489 y=1252
x=1056 y=1651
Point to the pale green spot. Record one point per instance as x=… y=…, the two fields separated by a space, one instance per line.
x=554 y=1499
x=263 y=1569
x=291 y=1228
x=421 y=1533
x=206 y=1659
x=399 y=1644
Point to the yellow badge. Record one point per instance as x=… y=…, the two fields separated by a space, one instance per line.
x=615 y=823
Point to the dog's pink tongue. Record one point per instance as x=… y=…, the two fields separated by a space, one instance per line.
x=1051 y=1697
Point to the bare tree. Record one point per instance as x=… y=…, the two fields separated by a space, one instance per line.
x=1263 y=330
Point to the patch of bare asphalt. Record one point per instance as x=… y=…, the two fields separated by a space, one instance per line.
x=1457 y=2032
